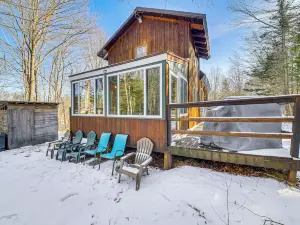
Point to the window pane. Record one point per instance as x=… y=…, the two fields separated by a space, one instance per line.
x=99 y=96
x=132 y=93
x=113 y=95
x=173 y=89
x=183 y=93
x=75 y=98
x=86 y=92
x=153 y=91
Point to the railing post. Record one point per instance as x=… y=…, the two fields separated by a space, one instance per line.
x=169 y=116
x=296 y=138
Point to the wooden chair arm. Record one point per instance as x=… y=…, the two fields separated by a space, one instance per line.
x=147 y=162
x=124 y=158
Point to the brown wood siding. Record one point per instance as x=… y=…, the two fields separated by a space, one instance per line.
x=158 y=35
x=193 y=81
x=135 y=128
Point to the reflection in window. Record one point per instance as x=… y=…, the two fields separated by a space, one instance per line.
x=75 y=98
x=132 y=93
x=99 y=96
x=183 y=93
x=113 y=95
x=153 y=91
x=86 y=92
x=173 y=89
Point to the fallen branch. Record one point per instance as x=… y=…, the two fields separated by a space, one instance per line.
x=266 y=218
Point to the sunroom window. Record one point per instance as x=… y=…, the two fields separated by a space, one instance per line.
x=153 y=92
x=99 y=96
x=113 y=95
x=132 y=93
x=87 y=96
x=75 y=98
x=135 y=93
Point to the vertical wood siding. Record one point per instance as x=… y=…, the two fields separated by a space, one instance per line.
x=135 y=128
x=3 y=121
x=158 y=35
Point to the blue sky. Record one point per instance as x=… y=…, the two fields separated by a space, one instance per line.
x=225 y=39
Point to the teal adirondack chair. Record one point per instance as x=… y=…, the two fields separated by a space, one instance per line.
x=102 y=147
x=76 y=151
x=63 y=148
x=117 y=150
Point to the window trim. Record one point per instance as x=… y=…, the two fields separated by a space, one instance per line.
x=178 y=76
x=145 y=99
x=104 y=91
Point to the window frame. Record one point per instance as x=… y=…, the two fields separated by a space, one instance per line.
x=145 y=95
x=104 y=91
x=178 y=76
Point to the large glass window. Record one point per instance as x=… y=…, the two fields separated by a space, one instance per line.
x=113 y=95
x=99 y=96
x=153 y=91
x=138 y=93
x=132 y=93
x=183 y=93
x=75 y=98
x=87 y=96
x=174 y=89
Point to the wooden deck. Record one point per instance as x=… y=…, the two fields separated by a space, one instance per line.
x=187 y=142
x=190 y=146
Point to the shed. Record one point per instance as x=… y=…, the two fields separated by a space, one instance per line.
x=28 y=123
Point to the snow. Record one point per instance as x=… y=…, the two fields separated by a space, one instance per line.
x=36 y=190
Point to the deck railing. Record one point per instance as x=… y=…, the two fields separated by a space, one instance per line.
x=286 y=99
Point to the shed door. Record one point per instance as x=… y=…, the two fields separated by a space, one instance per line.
x=20 y=127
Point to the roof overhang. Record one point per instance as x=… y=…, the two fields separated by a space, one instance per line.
x=204 y=79
x=198 y=27
x=117 y=68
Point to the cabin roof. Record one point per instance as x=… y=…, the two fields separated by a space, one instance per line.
x=199 y=35
x=4 y=102
x=204 y=79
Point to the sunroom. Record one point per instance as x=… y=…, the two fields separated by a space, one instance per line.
x=130 y=97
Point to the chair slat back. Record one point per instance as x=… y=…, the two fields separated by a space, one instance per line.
x=144 y=150
x=91 y=137
x=104 y=140
x=119 y=144
x=78 y=137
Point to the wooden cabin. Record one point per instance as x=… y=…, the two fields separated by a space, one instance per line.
x=153 y=60
x=28 y=123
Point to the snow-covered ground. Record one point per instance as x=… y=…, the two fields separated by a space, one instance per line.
x=36 y=190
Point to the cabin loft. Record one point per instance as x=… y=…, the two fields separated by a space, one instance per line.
x=153 y=60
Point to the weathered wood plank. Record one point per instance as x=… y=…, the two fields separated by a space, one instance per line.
x=274 y=162
x=238 y=119
x=250 y=101
x=236 y=134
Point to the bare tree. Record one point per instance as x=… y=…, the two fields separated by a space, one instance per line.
x=215 y=77
x=90 y=49
x=236 y=75
x=35 y=30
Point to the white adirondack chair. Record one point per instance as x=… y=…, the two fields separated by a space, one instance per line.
x=141 y=162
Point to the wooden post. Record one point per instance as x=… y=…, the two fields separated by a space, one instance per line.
x=167 y=160
x=169 y=133
x=296 y=139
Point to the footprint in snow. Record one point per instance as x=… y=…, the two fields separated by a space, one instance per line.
x=68 y=196
x=9 y=217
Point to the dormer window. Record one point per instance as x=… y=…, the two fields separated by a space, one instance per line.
x=141 y=51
